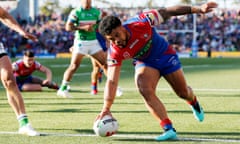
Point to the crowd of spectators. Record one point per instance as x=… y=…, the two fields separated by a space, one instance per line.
x=218 y=31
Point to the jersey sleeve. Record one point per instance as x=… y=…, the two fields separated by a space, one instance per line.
x=113 y=59
x=153 y=16
x=14 y=66
x=37 y=65
x=73 y=17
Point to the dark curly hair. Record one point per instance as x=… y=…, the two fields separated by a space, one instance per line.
x=29 y=53
x=107 y=24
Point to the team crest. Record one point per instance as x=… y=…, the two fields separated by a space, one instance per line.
x=126 y=55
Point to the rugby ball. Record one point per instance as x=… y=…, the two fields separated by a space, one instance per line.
x=105 y=127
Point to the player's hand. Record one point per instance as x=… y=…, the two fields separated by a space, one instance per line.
x=208 y=7
x=45 y=82
x=103 y=113
x=89 y=27
x=71 y=49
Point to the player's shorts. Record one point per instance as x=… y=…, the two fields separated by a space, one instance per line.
x=166 y=63
x=22 y=81
x=2 y=50
x=86 y=47
x=101 y=41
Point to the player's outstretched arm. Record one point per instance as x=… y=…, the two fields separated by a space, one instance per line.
x=48 y=73
x=10 y=22
x=182 y=10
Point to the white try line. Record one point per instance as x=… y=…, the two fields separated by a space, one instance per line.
x=169 y=89
x=132 y=136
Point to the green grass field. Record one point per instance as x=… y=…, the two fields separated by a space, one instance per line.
x=70 y=121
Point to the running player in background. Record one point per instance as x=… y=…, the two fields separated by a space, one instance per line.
x=83 y=21
x=23 y=70
x=154 y=57
x=14 y=96
x=97 y=72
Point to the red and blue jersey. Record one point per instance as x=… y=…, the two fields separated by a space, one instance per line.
x=145 y=43
x=20 y=70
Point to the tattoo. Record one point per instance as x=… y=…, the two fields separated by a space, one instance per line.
x=174 y=11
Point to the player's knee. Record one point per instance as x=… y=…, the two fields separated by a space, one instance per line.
x=9 y=82
x=95 y=70
x=73 y=67
x=145 y=90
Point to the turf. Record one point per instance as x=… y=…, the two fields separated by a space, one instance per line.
x=69 y=121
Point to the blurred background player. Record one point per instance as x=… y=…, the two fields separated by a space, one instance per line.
x=14 y=96
x=23 y=69
x=83 y=21
x=97 y=72
x=155 y=58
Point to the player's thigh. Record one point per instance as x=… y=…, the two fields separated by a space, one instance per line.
x=76 y=59
x=36 y=80
x=100 y=57
x=31 y=87
x=6 y=71
x=94 y=63
x=95 y=67
x=177 y=80
x=146 y=78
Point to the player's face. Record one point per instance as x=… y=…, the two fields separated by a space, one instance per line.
x=86 y=4
x=119 y=37
x=28 y=61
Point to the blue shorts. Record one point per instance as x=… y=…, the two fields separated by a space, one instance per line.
x=21 y=81
x=166 y=64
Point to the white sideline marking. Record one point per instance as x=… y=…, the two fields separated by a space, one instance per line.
x=169 y=89
x=133 y=136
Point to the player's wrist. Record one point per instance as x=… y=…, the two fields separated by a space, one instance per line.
x=107 y=104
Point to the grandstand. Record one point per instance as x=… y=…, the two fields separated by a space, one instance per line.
x=217 y=34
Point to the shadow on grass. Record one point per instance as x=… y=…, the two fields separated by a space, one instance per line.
x=187 y=134
x=80 y=110
x=206 y=112
x=149 y=136
x=86 y=111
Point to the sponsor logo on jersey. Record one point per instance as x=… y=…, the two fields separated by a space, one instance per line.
x=134 y=43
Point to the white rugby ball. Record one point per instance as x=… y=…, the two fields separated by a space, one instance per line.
x=107 y=126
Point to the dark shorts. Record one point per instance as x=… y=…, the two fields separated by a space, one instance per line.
x=166 y=64
x=22 y=81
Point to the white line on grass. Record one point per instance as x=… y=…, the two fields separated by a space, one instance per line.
x=131 y=136
x=169 y=89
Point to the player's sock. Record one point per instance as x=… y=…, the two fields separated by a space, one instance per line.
x=197 y=109
x=195 y=104
x=64 y=85
x=169 y=131
x=22 y=119
x=25 y=127
x=166 y=124
x=100 y=75
x=94 y=88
